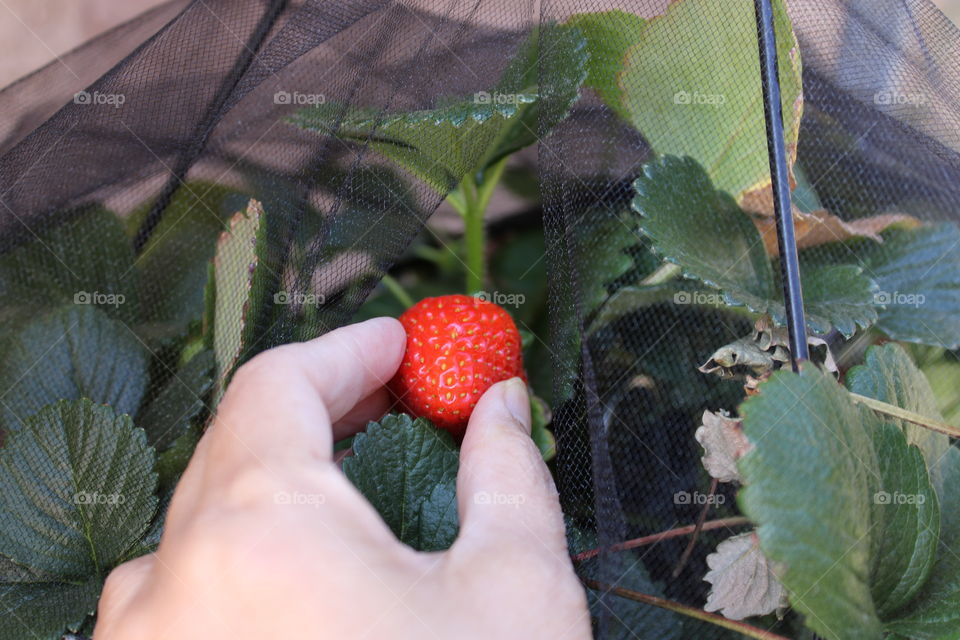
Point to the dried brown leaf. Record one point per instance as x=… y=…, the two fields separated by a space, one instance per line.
x=744 y=583
x=822 y=227
x=723 y=443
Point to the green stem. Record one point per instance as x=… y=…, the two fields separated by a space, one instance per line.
x=475 y=241
x=397 y=290
x=458 y=200
x=477 y=196
x=491 y=178
x=903 y=414
x=431 y=254
x=666 y=271
x=692 y=612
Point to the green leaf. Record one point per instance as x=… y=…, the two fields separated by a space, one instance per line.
x=541 y=418
x=172 y=462
x=906 y=517
x=691 y=86
x=942 y=368
x=629 y=299
x=150 y=540
x=76 y=491
x=239 y=278
x=443 y=144
x=889 y=375
x=519 y=267
x=439 y=146
x=87 y=260
x=599 y=257
x=609 y=34
x=702 y=229
x=439 y=523
x=42 y=610
x=607 y=234
x=935 y=612
x=839 y=295
x=705 y=232
x=71 y=353
x=169 y=415
x=918 y=274
x=398 y=463
x=808 y=482
x=844 y=503
x=555 y=56
x=173 y=264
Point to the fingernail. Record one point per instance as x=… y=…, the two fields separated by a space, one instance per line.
x=517 y=401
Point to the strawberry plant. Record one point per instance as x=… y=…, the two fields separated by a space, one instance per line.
x=708 y=490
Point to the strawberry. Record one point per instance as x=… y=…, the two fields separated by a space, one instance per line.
x=457 y=347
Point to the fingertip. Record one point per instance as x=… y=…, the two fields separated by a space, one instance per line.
x=504 y=403
x=517 y=400
x=389 y=336
x=386 y=325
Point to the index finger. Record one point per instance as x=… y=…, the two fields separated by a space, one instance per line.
x=279 y=406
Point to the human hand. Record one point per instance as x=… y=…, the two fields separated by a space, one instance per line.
x=234 y=563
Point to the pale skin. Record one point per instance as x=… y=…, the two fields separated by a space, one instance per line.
x=237 y=562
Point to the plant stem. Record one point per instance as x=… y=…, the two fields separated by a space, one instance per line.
x=458 y=200
x=476 y=196
x=431 y=254
x=909 y=416
x=475 y=240
x=397 y=290
x=734 y=521
x=666 y=271
x=692 y=612
x=685 y=557
x=491 y=178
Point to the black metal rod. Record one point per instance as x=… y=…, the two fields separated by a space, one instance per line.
x=780 y=177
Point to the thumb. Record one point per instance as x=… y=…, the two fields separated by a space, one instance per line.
x=505 y=493
x=123 y=587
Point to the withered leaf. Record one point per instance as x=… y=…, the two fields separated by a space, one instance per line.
x=743 y=582
x=816 y=227
x=723 y=443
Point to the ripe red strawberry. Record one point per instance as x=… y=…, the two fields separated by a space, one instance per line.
x=457 y=347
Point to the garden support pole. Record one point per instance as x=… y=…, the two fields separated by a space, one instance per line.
x=780 y=179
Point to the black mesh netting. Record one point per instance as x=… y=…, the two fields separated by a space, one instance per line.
x=631 y=235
